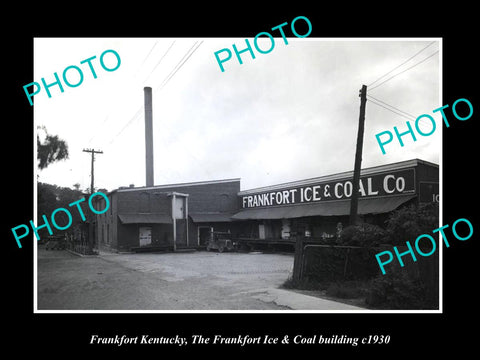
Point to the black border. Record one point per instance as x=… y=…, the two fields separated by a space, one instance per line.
x=411 y=334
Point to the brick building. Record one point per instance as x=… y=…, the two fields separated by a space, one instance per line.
x=183 y=215
x=320 y=207
x=167 y=216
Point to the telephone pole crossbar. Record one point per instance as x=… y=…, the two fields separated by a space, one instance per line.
x=93 y=152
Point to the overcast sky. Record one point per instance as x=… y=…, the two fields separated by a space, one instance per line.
x=287 y=115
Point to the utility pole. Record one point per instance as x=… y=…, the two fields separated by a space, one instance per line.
x=93 y=159
x=358 y=157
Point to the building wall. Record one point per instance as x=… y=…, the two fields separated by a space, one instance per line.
x=425 y=182
x=143 y=201
x=127 y=236
x=203 y=197
x=210 y=197
x=106 y=225
x=217 y=197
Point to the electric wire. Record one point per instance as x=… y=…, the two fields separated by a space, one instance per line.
x=393 y=111
x=138 y=113
x=188 y=54
x=391 y=106
x=146 y=57
x=397 y=111
x=411 y=67
x=159 y=61
x=179 y=65
x=95 y=134
x=134 y=117
x=395 y=68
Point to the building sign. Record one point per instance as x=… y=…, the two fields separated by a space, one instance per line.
x=391 y=183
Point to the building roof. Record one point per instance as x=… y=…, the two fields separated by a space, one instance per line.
x=151 y=218
x=210 y=217
x=342 y=175
x=327 y=208
x=169 y=186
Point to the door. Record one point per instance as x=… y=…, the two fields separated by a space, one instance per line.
x=286 y=229
x=261 y=231
x=179 y=208
x=204 y=233
x=145 y=235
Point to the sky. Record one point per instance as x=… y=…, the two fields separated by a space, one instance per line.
x=287 y=115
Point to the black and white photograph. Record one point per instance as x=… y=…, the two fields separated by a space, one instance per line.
x=228 y=185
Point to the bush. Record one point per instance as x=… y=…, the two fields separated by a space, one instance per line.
x=411 y=221
x=345 y=290
x=333 y=263
x=336 y=268
x=399 y=290
x=365 y=235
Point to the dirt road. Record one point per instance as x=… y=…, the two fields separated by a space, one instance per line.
x=159 y=281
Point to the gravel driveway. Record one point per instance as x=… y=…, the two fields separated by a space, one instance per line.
x=159 y=281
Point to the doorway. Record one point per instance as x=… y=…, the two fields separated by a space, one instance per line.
x=204 y=233
x=145 y=235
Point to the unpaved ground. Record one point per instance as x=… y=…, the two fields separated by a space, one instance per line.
x=159 y=281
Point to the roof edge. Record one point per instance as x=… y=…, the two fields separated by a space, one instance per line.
x=178 y=185
x=346 y=174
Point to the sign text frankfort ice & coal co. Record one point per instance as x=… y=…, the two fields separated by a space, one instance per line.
x=391 y=183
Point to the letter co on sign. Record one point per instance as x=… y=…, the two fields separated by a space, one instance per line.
x=265 y=50
x=52 y=218
x=73 y=76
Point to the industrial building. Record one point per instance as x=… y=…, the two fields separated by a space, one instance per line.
x=183 y=215
x=167 y=216
x=320 y=207
x=179 y=216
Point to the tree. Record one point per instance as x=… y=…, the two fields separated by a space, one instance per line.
x=52 y=197
x=408 y=222
x=365 y=234
x=52 y=149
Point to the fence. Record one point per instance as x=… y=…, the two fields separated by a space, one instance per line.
x=333 y=262
x=82 y=239
x=320 y=263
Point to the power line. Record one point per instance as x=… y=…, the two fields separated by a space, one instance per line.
x=411 y=67
x=153 y=47
x=146 y=57
x=138 y=113
x=180 y=64
x=184 y=59
x=100 y=126
x=159 y=61
x=395 y=68
x=393 y=107
x=395 y=112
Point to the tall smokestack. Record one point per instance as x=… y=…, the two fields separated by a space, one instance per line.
x=148 y=136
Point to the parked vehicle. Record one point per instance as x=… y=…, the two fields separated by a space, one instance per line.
x=220 y=241
x=55 y=242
